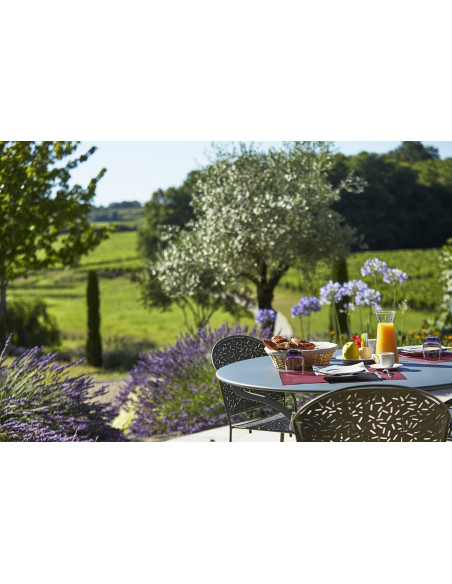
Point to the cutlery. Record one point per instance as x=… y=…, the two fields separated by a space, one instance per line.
x=388 y=373
x=377 y=374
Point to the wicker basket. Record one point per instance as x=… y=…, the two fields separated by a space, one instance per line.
x=321 y=355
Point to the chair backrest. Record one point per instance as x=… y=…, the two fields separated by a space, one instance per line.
x=233 y=349
x=368 y=413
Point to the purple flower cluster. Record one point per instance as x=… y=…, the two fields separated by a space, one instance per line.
x=174 y=389
x=390 y=275
x=265 y=317
x=373 y=266
x=368 y=297
x=357 y=291
x=331 y=293
x=39 y=402
x=394 y=276
x=305 y=306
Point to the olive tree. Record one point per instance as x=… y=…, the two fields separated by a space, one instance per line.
x=44 y=220
x=256 y=213
x=185 y=273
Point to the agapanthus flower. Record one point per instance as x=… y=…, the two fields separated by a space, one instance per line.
x=394 y=276
x=349 y=307
x=331 y=292
x=265 y=317
x=373 y=266
x=352 y=287
x=368 y=297
x=305 y=306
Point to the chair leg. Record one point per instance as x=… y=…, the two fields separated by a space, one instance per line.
x=282 y=437
x=230 y=433
x=250 y=431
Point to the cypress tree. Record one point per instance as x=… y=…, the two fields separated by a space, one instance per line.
x=340 y=274
x=93 y=343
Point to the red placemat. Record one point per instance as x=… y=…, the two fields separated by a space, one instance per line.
x=295 y=378
x=423 y=359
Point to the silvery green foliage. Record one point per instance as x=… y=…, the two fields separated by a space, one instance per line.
x=256 y=214
x=262 y=212
x=444 y=319
x=185 y=273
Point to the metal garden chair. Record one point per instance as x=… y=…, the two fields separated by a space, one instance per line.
x=373 y=413
x=238 y=348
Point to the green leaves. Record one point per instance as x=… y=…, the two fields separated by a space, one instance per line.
x=44 y=221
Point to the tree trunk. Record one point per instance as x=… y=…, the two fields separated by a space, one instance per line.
x=3 y=285
x=265 y=294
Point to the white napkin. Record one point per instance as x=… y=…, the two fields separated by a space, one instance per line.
x=337 y=370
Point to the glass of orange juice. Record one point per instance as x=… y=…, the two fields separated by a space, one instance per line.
x=386 y=339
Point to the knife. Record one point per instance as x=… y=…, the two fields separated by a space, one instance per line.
x=378 y=375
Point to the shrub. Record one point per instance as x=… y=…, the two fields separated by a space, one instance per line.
x=39 y=402
x=122 y=353
x=31 y=325
x=174 y=389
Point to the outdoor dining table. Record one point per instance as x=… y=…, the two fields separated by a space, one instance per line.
x=260 y=374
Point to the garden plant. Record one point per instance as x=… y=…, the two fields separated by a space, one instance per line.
x=174 y=389
x=41 y=402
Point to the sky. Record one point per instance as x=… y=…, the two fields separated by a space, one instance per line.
x=136 y=169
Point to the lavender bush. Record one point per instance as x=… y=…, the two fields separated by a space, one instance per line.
x=174 y=389
x=39 y=402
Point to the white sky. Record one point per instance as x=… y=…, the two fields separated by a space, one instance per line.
x=136 y=169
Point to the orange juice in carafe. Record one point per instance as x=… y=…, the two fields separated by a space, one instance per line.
x=386 y=339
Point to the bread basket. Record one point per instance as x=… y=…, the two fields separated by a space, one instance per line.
x=321 y=355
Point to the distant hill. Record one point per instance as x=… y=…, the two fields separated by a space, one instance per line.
x=128 y=215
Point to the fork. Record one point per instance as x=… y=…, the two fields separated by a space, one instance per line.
x=388 y=373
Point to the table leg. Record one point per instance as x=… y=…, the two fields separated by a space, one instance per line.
x=264 y=400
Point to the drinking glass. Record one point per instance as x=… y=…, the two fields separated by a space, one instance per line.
x=431 y=348
x=294 y=360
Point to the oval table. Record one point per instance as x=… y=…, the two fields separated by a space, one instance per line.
x=260 y=374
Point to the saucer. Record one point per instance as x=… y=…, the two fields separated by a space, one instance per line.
x=378 y=366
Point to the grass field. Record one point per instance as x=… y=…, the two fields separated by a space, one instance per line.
x=123 y=315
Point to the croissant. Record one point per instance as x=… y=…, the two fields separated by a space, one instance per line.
x=278 y=339
x=283 y=346
x=270 y=345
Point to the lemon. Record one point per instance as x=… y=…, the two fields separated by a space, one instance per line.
x=350 y=351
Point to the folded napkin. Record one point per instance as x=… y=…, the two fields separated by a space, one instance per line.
x=340 y=370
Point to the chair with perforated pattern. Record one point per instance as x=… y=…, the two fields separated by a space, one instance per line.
x=238 y=348
x=373 y=413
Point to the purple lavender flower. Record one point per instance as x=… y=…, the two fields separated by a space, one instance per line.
x=305 y=306
x=39 y=402
x=174 y=389
x=394 y=276
x=373 y=267
x=265 y=317
x=331 y=292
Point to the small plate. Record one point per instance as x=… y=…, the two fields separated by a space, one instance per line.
x=378 y=366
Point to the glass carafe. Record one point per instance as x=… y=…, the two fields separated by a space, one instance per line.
x=386 y=339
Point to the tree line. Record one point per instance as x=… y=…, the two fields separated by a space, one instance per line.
x=406 y=202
